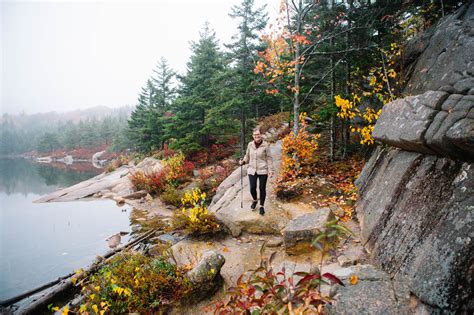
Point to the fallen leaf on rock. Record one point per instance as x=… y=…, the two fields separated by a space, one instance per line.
x=353 y=279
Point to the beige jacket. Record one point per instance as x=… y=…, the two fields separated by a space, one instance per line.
x=259 y=160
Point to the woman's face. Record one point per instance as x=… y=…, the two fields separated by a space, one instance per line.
x=257 y=137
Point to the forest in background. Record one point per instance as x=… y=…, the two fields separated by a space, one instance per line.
x=336 y=61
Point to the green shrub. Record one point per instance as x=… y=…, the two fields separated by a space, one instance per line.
x=171 y=196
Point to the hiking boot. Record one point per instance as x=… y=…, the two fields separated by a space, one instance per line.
x=254 y=205
x=262 y=211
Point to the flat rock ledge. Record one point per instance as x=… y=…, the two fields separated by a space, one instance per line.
x=301 y=231
x=372 y=293
x=115 y=185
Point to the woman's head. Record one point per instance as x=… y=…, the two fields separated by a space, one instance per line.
x=257 y=136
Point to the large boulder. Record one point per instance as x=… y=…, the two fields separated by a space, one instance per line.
x=434 y=122
x=115 y=184
x=417 y=220
x=416 y=204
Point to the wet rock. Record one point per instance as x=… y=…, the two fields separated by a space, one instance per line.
x=300 y=232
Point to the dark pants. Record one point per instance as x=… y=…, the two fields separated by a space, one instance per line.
x=262 y=181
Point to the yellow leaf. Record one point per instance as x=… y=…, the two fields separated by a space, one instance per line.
x=83 y=308
x=56 y=308
x=65 y=310
x=353 y=279
x=95 y=308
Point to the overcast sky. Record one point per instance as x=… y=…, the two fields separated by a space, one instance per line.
x=65 y=55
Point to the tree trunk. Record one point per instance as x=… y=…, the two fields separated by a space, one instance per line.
x=346 y=123
x=296 y=98
x=333 y=114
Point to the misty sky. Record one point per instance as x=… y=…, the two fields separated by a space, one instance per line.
x=65 y=55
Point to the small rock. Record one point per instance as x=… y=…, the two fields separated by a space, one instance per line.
x=275 y=243
x=136 y=195
x=338 y=211
x=300 y=232
x=344 y=261
x=119 y=200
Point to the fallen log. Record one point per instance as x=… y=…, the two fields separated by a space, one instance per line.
x=67 y=283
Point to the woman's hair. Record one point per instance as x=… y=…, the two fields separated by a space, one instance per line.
x=255 y=130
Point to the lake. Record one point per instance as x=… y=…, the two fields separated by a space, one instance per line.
x=41 y=242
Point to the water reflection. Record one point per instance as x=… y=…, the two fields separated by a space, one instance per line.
x=23 y=176
x=41 y=242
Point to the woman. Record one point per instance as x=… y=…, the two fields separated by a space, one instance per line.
x=260 y=163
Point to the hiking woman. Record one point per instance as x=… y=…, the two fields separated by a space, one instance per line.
x=260 y=165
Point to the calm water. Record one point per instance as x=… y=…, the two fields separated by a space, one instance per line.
x=41 y=242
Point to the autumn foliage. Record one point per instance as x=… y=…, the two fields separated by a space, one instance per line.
x=298 y=153
x=381 y=85
x=176 y=170
x=135 y=283
x=194 y=217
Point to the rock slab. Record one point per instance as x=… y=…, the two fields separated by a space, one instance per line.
x=301 y=231
x=372 y=293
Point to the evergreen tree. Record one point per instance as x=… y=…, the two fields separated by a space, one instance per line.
x=243 y=52
x=147 y=122
x=199 y=94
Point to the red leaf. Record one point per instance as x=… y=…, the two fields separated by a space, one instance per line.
x=308 y=278
x=333 y=278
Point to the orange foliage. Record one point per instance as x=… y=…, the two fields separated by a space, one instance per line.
x=298 y=153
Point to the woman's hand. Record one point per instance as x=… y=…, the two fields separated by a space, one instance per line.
x=241 y=162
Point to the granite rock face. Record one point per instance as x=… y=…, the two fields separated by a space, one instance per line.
x=373 y=293
x=441 y=59
x=417 y=220
x=416 y=204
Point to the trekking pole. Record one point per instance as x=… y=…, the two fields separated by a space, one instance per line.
x=241 y=188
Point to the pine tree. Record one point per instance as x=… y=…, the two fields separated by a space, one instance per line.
x=190 y=128
x=244 y=49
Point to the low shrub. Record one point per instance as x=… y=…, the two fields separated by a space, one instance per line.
x=171 y=196
x=116 y=163
x=211 y=177
x=264 y=291
x=176 y=170
x=153 y=182
x=194 y=218
x=135 y=283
